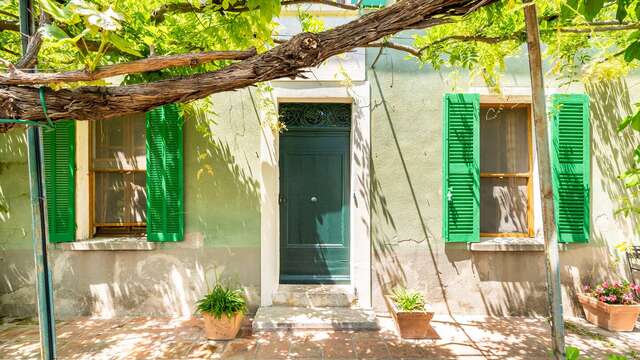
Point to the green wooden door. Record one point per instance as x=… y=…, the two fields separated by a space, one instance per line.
x=314 y=203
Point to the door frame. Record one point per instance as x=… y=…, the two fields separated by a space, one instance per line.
x=357 y=94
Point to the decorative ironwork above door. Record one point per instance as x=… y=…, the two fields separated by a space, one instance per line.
x=315 y=115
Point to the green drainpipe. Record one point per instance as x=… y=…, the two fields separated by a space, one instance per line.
x=38 y=215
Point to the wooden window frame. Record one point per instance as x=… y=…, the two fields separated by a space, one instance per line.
x=93 y=224
x=516 y=102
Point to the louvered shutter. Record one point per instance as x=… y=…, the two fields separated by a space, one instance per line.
x=461 y=168
x=570 y=159
x=59 y=175
x=165 y=214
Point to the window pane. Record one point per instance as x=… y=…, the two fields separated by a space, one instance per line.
x=139 y=197
x=121 y=198
x=504 y=144
x=139 y=138
x=110 y=198
x=119 y=143
x=503 y=205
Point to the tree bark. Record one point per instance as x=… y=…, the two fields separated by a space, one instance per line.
x=153 y=63
x=286 y=60
x=159 y=14
x=552 y=261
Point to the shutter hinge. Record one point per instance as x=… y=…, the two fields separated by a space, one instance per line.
x=281 y=199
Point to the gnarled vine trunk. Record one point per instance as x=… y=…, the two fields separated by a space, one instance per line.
x=288 y=59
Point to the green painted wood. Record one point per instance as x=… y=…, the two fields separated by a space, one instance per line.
x=461 y=168
x=570 y=166
x=59 y=172
x=165 y=183
x=314 y=206
x=370 y=3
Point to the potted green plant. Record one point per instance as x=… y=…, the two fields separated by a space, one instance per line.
x=222 y=310
x=614 y=305
x=408 y=309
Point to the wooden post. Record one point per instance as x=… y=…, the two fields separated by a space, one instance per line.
x=552 y=260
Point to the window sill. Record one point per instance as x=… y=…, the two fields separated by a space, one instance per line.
x=110 y=244
x=508 y=244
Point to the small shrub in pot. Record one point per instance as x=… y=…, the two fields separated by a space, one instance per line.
x=408 y=309
x=222 y=309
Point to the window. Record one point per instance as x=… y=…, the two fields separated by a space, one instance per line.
x=118 y=172
x=505 y=171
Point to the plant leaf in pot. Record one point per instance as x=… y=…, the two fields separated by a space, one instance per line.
x=408 y=309
x=222 y=310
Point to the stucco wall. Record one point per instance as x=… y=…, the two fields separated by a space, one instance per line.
x=408 y=248
x=222 y=227
x=222 y=204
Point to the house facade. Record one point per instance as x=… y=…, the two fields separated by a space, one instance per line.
x=387 y=174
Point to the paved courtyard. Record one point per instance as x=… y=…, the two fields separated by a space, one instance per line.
x=157 y=338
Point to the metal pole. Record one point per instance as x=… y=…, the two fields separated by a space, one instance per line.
x=552 y=259
x=38 y=215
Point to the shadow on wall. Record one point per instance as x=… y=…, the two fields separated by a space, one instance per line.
x=226 y=203
x=499 y=283
x=221 y=239
x=17 y=287
x=612 y=152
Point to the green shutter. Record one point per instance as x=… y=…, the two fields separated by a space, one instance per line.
x=165 y=211
x=461 y=168
x=59 y=175
x=570 y=158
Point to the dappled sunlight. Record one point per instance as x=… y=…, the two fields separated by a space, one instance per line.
x=102 y=301
x=171 y=338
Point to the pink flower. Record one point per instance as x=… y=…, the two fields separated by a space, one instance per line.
x=605 y=285
x=602 y=298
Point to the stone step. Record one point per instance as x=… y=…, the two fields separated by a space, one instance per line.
x=273 y=318
x=314 y=296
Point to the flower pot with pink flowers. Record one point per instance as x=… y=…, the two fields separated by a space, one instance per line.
x=614 y=306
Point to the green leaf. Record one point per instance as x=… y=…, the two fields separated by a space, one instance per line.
x=107 y=20
x=635 y=122
x=616 y=357
x=632 y=52
x=61 y=14
x=621 y=11
x=568 y=9
x=51 y=31
x=592 y=8
x=636 y=154
x=572 y=353
x=625 y=122
x=123 y=45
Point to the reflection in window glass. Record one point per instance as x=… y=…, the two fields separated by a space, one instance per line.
x=503 y=205
x=119 y=166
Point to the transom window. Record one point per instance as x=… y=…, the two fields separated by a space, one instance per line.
x=119 y=176
x=505 y=171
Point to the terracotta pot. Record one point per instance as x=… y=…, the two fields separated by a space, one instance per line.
x=225 y=328
x=610 y=317
x=412 y=324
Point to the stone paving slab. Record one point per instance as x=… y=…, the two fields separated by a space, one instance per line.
x=273 y=318
x=461 y=337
